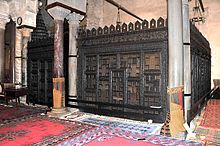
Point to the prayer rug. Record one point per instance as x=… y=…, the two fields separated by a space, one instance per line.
x=133 y=127
x=209 y=124
x=40 y=130
x=108 y=136
x=211 y=116
x=208 y=135
x=214 y=102
x=9 y=113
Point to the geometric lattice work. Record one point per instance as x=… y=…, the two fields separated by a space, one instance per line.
x=152 y=79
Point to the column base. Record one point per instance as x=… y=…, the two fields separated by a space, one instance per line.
x=58 y=112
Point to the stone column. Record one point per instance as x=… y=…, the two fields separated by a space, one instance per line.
x=73 y=20
x=176 y=65
x=3 y=22
x=18 y=57
x=26 y=32
x=4 y=10
x=58 y=13
x=187 y=60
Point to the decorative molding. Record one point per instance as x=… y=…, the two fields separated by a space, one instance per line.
x=58 y=4
x=58 y=13
x=74 y=18
x=125 y=33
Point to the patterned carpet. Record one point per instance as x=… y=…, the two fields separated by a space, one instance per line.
x=209 y=124
x=21 y=126
x=133 y=127
x=40 y=130
x=108 y=136
x=211 y=118
x=9 y=112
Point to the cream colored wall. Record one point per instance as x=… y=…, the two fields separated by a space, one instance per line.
x=211 y=30
x=148 y=9
x=145 y=9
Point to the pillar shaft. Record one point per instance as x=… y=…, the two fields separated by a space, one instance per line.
x=176 y=65
x=58 y=76
x=18 y=57
x=187 y=60
x=4 y=12
x=26 y=32
x=73 y=20
x=58 y=49
x=24 y=61
x=72 y=74
x=2 y=54
x=175 y=31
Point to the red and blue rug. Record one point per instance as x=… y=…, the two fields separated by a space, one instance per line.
x=107 y=136
x=209 y=125
x=9 y=113
x=40 y=130
x=128 y=126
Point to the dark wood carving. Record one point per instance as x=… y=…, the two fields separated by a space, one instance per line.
x=40 y=63
x=201 y=69
x=123 y=70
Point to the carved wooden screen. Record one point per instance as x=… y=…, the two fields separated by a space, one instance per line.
x=123 y=70
x=201 y=69
x=40 y=63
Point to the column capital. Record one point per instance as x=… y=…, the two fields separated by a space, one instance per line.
x=58 y=13
x=74 y=18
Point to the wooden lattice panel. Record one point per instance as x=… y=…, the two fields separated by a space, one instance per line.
x=118 y=86
x=134 y=93
x=132 y=63
x=152 y=80
x=152 y=61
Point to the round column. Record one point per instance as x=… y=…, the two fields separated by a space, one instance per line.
x=187 y=60
x=3 y=20
x=176 y=67
x=18 y=57
x=58 y=13
x=26 y=32
x=73 y=20
x=2 y=48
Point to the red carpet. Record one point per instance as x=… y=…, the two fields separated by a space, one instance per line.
x=214 y=102
x=9 y=113
x=210 y=123
x=107 y=136
x=112 y=140
x=40 y=131
x=211 y=116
